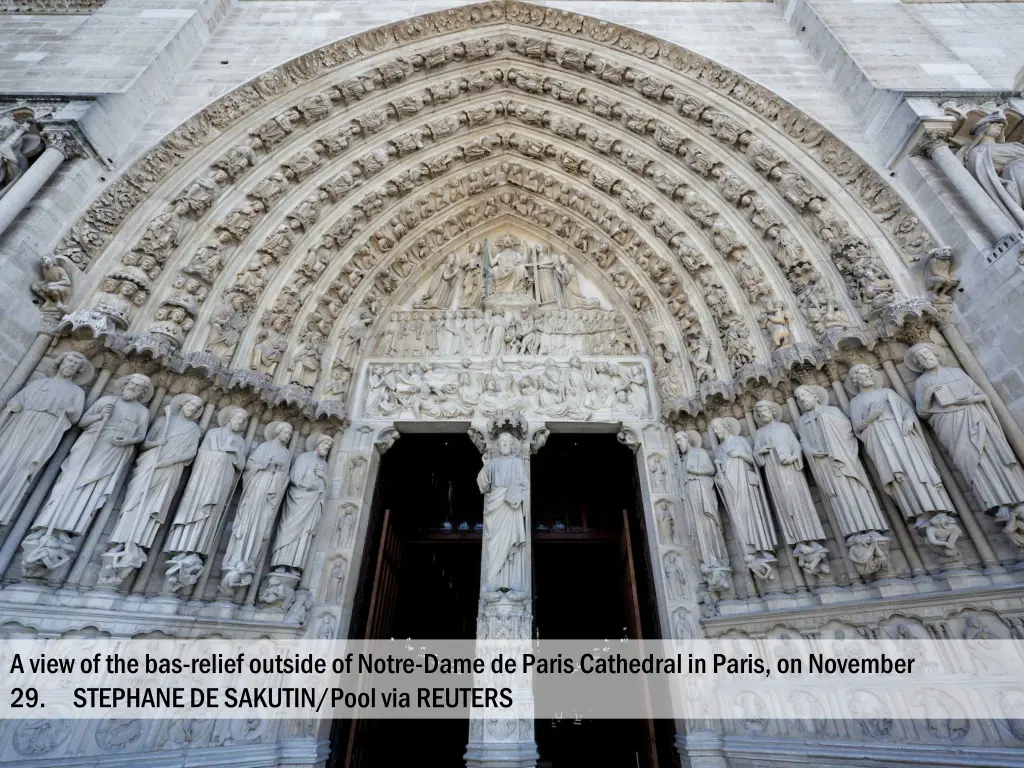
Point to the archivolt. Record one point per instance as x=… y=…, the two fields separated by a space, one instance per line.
x=291 y=203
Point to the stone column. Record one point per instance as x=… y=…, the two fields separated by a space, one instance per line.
x=934 y=145
x=506 y=592
x=60 y=145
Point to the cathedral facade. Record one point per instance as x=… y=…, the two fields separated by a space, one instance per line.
x=770 y=250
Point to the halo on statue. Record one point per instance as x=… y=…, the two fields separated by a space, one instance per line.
x=270 y=430
x=225 y=414
x=314 y=440
x=147 y=393
x=819 y=392
x=86 y=370
x=179 y=400
x=851 y=386
x=731 y=424
x=776 y=410
x=910 y=356
x=696 y=438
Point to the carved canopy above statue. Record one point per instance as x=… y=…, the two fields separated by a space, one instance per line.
x=360 y=180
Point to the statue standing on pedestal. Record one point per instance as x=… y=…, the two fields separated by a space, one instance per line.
x=195 y=530
x=170 y=447
x=266 y=477
x=778 y=451
x=740 y=484
x=114 y=425
x=304 y=503
x=831 y=449
x=505 y=486
x=701 y=507
x=32 y=425
x=957 y=411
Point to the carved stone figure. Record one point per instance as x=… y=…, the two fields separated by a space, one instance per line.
x=740 y=484
x=93 y=470
x=701 y=508
x=869 y=552
x=996 y=165
x=658 y=472
x=32 y=425
x=893 y=439
x=938 y=274
x=169 y=447
x=778 y=451
x=442 y=288
x=196 y=528
x=505 y=486
x=831 y=450
x=263 y=487
x=572 y=294
x=957 y=411
x=776 y=319
x=304 y=503
x=55 y=287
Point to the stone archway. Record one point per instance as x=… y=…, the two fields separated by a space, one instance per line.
x=257 y=255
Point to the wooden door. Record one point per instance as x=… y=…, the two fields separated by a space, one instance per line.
x=631 y=604
x=379 y=621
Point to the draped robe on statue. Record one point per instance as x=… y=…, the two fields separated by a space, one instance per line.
x=266 y=477
x=701 y=506
x=839 y=473
x=997 y=168
x=93 y=469
x=303 y=506
x=744 y=496
x=507 y=272
x=155 y=479
x=904 y=463
x=196 y=527
x=971 y=437
x=33 y=424
x=505 y=487
x=794 y=506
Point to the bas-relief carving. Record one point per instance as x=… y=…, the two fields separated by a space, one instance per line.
x=894 y=441
x=777 y=450
x=170 y=446
x=89 y=476
x=957 y=411
x=576 y=390
x=33 y=423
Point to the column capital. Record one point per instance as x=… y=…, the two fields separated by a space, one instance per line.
x=930 y=140
x=64 y=140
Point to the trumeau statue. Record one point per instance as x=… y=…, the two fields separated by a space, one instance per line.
x=266 y=478
x=92 y=472
x=895 y=442
x=778 y=451
x=831 y=450
x=506 y=488
x=32 y=425
x=996 y=165
x=738 y=480
x=701 y=508
x=957 y=411
x=195 y=530
x=304 y=503
x=170 y=447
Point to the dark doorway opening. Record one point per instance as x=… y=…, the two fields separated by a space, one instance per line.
x=593 y=580
x=419 y=578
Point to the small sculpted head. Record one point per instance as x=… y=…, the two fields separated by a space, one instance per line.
x=764 y=412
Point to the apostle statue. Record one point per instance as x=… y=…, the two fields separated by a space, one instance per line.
x=169 y=447
x=304 y=503
x=442 y=287
x=90 y=474
x=740 y=484
x=32 y=425
x=266 y=478
x=996 y=165
x=505 y=486
x=831 y=449
x=701 y=509
x=958 y=413
x=778 y=451
x=195 y=530
x=893 y=439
